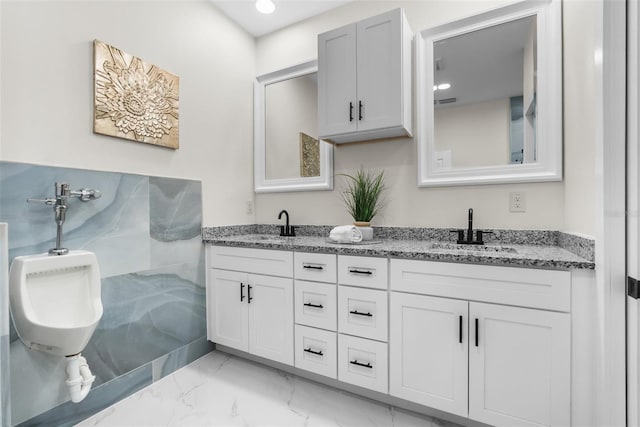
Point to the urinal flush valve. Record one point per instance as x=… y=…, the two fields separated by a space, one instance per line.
x=59 y=203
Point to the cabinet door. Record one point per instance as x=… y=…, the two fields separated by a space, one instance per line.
x=337 y=108
x=428 y=351
x=271 y=318
x=227 y=294
x=519 y=366
x=379 y=78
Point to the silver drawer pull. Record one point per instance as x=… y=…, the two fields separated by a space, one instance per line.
x=312 y=305
x=364 y=365
x=356 y=312
x=356 y=271
x=312 y=267
x=316 y=352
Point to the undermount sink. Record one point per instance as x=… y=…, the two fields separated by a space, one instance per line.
x=478 y=248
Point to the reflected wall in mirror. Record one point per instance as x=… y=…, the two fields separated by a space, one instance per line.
x=490 y=97
x=288 y=155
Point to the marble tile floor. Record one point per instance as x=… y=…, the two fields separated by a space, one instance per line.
x=223 y=390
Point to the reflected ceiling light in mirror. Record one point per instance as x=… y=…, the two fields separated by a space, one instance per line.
x=442 y=86
x=265 y=6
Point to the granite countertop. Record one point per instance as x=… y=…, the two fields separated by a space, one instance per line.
x=519 y=255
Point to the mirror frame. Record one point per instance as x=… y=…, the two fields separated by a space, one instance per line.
x=262 y=184
x=548 y=166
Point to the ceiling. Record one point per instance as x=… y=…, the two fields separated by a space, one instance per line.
x=287 y=12
x=482 y=65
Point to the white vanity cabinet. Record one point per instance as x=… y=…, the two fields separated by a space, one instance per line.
x=513 y=362
x=315 y=313
x=364 y=80
x=499 y=345
x=249 y=311
x=429 y=351
x=363 y=322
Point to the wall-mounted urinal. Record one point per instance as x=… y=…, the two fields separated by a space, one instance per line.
x=56 y=301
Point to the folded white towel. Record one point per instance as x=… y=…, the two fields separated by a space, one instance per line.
x=346 y=234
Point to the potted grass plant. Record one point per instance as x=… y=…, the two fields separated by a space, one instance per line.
x=362 y=197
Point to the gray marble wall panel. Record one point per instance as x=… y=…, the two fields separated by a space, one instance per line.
x=146 y=316
x=175 y=360
x=145 y=232
x=5 y=412
x=175 y=224
x=69 y=414
x=5 y=402
x=115 y=227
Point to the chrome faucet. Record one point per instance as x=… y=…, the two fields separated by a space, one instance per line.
x=286 y=230
x=469 y=240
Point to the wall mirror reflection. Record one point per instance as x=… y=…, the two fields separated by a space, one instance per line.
x=490 y=97
x=288 y=154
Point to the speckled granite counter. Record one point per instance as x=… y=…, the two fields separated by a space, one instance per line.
x=497 y=253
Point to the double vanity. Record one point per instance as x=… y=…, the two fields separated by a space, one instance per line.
x=491 y=333
x=497 y=333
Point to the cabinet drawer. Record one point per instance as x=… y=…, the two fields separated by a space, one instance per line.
x=362 y=271
x=316 y=351
x=260 y=261
x=526 y=287
x=316 y=304
x=363 y=363
x=362 y=312
x=315 y=267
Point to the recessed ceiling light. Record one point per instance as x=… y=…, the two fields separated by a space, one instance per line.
x=444 y=86
x=265 y=6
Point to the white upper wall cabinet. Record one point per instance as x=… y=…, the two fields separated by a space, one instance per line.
x=364 y=80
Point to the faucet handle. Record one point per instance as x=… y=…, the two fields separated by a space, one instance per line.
x=49 y=202
x=480 y=234
x=292 y=231
x=460 y=235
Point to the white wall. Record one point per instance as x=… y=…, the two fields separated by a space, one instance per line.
x=438 y=207
x=477 y=134
x=580 y=109
x=47 y=92
x=291 y=107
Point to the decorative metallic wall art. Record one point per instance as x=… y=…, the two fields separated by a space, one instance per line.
x=134 y=99
x=309 y=155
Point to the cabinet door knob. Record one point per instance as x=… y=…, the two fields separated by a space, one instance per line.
x=241 y=291
x=460 y=329
x=351 y=111
x=359 y=110
x=249 y=294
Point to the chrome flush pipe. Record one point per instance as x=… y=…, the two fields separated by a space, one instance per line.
x=59 y=203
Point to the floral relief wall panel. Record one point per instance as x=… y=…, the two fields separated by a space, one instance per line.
x=133 y=99
x=309 y=156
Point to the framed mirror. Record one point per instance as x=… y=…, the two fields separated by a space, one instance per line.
x=490 y=97
x=287 y=153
